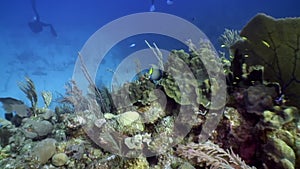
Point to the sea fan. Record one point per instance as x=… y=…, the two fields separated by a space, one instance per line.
x=28 y=88
x=211 y=155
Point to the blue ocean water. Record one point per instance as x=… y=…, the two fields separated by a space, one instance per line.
x=49 y=61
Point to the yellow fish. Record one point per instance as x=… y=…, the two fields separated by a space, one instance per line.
x=265 y=43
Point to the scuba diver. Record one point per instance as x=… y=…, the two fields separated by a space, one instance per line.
x=36 y=25
x=152 y=7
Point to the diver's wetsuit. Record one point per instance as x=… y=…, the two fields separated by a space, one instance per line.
x=36 y=25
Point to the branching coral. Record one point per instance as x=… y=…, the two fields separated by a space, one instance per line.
x=74 y=96
x=229 y=38
x=158 y=54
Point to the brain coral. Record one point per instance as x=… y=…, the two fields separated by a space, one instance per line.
x=274 y=44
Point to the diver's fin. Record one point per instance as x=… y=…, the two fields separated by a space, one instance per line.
x=35 y=11
x=152 y=8
x=53 y=32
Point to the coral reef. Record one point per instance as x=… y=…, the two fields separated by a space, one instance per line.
x=266 y=139
x=281 y=144
x=160 y=123
x=273 y=44
x=134 y=93
x=259 y=122
x=188 y=91
x=258 y=98
x=192 y=86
